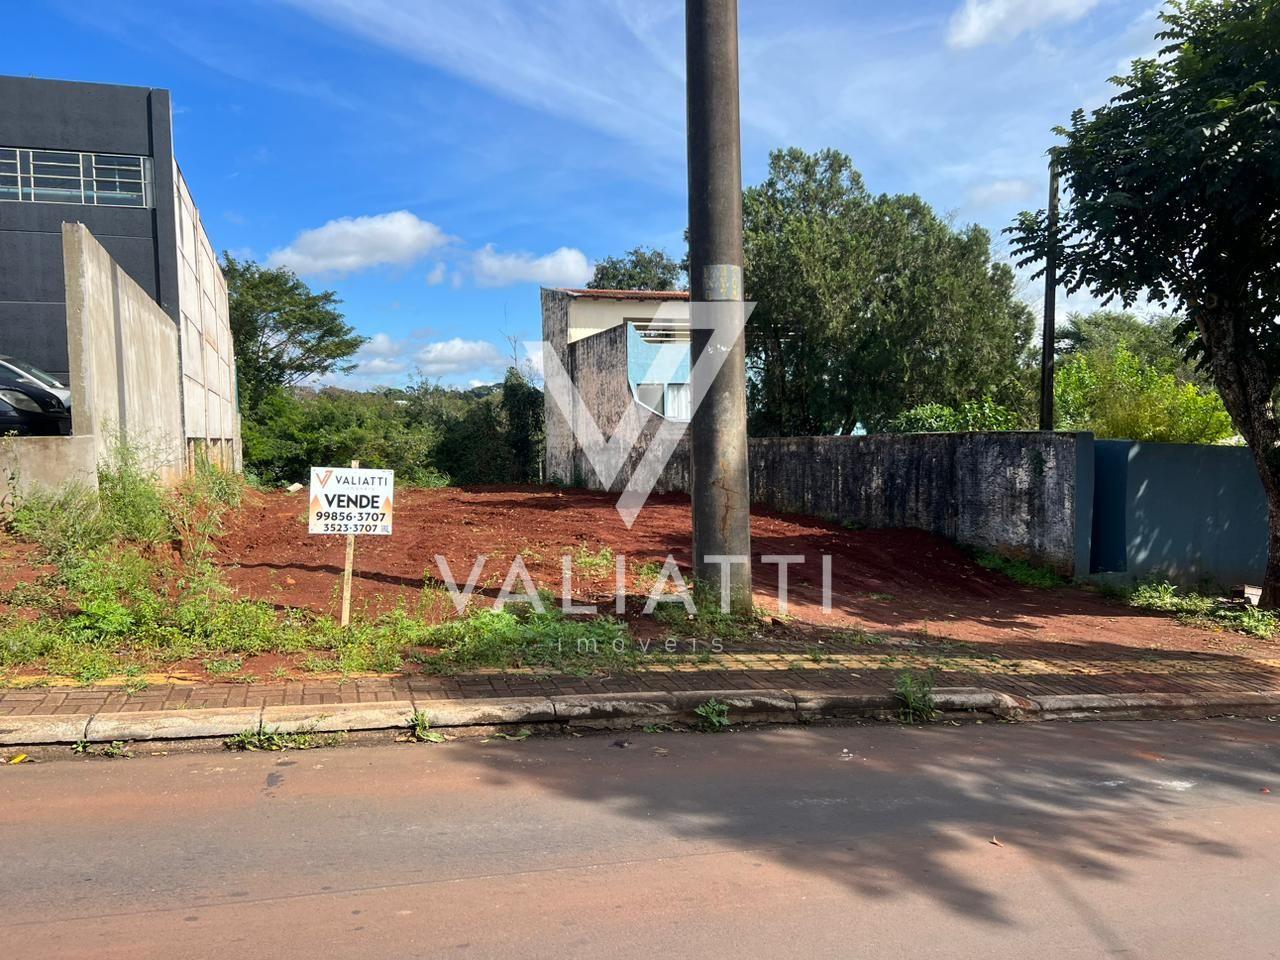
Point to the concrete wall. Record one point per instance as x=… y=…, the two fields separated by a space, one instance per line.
x=1021 y=494
x=1182 y=512
x=210 y=414
x=558 y=434
x=91 y=118
x=124 y=358
x=45 y=463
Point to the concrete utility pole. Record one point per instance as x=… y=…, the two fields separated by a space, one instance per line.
x=1050 y=335
x=718 y=435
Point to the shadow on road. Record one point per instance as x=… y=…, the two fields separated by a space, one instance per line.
x=892 y=812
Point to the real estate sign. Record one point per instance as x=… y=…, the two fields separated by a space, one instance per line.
x=348 y=500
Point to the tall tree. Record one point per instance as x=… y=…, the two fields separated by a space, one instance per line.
x=1154 y=341
x=869 y=305
x=1173 y=186
x=283 y=332
x=641 y=268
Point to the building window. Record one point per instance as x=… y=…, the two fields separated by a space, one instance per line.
x=60 y=176
x=678 y=405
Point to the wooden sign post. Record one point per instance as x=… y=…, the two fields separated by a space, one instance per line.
x=350 y=501
x=346 y=569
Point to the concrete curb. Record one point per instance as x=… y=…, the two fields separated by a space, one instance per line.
x=617 y=710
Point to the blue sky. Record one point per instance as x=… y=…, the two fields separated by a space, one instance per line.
x=434 y=161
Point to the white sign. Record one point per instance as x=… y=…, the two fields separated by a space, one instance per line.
x=349 y=501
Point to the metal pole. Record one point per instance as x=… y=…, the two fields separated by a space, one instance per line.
x=718 y=434
x=1049 y=344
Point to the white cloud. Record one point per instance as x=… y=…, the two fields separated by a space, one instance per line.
x=380 y=366
x=356 y=243
x=565 y=267
x=999 y=192
x=437 y=275
x=381 y=345
x=984 y=21
x=449 y=358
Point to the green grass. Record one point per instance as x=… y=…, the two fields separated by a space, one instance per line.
x=519 y=637
x=120 y=599
x=708 y=622
x=1021 y=571
x=593 y=564
x=1204 y=610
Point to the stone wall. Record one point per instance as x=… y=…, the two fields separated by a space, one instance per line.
x=1021 y=494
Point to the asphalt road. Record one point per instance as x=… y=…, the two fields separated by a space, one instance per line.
x=1058 y=840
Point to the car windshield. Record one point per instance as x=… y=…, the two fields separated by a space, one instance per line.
x=35 y=373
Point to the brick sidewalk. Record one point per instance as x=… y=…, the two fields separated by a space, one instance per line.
x=871 y=673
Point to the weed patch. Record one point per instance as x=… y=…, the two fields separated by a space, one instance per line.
x=914 y=693
x=713 y=716
x=1020 y=571
x=265 y=738
x=1203 y=610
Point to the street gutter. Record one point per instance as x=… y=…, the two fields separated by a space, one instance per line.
x=620 y=711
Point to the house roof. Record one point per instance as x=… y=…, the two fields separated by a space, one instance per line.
x=628 y=294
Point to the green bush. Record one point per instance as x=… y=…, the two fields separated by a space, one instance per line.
x=1116 y=395
x=971 y=417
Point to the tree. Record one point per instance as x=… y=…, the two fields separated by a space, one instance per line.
x=1117 y=394
x=1155 y=341
x=1172 y=196
x=641 y=268
x=522 y=405
x=283 y=332
x=869 y=305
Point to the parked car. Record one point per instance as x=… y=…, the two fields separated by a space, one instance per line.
x=29 y=371
x=27 y=409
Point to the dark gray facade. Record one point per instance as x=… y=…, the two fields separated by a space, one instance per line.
x=84 y=118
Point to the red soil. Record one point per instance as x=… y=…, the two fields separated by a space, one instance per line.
x=899 y=582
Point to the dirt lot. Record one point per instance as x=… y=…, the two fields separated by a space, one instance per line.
x=903 y=583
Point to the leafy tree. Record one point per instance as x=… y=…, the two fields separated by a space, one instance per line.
x=282 y=331
x=1120 y=395
x=291 y=431
x=1155 y=341
x=522 y=405
x=641 y=268
x=970 y=417
x=1172 y=196
x=869 y=305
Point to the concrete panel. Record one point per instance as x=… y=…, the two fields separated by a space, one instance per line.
x=45 y=463
x=1184 y=512
x=123 y=358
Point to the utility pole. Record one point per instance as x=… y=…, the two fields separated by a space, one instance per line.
x=718 y=433
x=1050 y=335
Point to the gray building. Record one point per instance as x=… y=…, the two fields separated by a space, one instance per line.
x=102 y=155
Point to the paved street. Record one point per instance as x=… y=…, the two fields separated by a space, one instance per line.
x=1111 y=839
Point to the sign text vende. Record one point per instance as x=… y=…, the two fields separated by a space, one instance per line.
x=346 y=500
